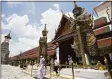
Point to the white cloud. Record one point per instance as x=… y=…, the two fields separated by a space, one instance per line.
x=2 y=37
x=51 y=18
x=30 y=42
x=3 y=26
x=17 y=47
x=28 y=35
x=18 y=24
x=56 y=6
x=3 y=15
x=10 y=17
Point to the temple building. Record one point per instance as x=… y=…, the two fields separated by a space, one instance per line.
x=31 y=56
x=100 y=47
x=64 y=36
x=103 y=29
x=104 y=9
x=5 y=50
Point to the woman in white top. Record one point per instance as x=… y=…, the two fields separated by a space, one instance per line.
x=41 y=66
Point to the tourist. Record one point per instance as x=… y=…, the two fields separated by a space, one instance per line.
x=41 y=66
x=56 y=65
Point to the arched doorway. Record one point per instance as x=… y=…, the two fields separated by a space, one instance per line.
x=65 y=49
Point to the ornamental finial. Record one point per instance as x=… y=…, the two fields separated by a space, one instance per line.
x=75 y=5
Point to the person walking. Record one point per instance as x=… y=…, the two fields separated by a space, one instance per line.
x=56 y=65
x=41 y=66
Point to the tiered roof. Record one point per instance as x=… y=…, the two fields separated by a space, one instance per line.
x=34 y=53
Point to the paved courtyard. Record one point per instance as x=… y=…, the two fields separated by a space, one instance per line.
x=12 y=72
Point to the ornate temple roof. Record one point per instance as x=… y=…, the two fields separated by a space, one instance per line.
x=33 y=53
x=62 y=23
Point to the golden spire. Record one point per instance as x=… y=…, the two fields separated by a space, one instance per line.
x=45 y=28
x=44 y=32
x=75 y=5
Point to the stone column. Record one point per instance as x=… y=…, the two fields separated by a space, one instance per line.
x=110 y=55
x=21 y=61
x=27 y=61
x=87 y=59
x=81 y=45
x=57 y=53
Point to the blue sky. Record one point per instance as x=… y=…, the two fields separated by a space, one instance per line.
x=28 y=18
x=22 y=8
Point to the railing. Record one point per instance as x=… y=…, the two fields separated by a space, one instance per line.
x=72 y=66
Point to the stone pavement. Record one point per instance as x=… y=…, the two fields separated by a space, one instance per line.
x=34 y=74
x=13 y=72
x=86 y=73
x=66 y=73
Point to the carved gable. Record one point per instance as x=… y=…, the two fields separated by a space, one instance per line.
x=66 y=28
